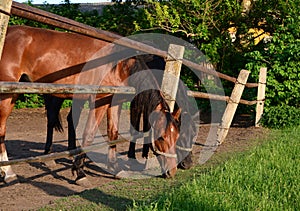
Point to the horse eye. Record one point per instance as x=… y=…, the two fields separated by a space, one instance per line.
x=161 y=139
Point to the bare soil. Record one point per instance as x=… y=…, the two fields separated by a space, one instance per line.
x=38 y=184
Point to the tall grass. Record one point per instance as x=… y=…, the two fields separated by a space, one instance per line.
x=265 y=178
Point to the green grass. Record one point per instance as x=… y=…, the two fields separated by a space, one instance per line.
x=263 y=178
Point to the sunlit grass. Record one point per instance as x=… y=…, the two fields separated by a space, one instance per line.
x=265 y=178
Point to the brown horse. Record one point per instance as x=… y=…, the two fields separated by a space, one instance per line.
x=40 y=55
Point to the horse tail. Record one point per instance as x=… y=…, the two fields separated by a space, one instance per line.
x=58 y=125
x=52 y=106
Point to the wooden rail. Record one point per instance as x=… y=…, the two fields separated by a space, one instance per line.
x=217 y=97
x=42 y=16
x=5 y=6
x=47 y=88
x=232 y=106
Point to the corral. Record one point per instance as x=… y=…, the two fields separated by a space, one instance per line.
x=221 y=130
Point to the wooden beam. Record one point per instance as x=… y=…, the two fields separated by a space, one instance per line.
x=5 y=7
x=232 y=106
x=32 y=13
x=171 y=75
x=42 y=16
x=217 y=97
x=48 y=88
x=261 y=95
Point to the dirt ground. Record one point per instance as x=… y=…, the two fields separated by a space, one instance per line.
x=39 y=184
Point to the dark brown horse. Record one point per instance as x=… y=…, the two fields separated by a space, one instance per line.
x=188 y=131
x=46 y=56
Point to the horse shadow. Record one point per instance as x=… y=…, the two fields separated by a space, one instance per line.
x=17 y=149
x=22 y=149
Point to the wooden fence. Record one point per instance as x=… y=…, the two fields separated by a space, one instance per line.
x=174 y=59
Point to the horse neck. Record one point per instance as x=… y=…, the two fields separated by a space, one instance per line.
x=157 y=100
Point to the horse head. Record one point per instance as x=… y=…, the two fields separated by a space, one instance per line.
x=166 y=130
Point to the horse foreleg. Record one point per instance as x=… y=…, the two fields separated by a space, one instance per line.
x=94 y=118
x=113 y=114
x=6 y=106
x=147 y=139
x=135 y=118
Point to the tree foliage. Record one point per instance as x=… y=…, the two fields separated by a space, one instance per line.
x=205 y=24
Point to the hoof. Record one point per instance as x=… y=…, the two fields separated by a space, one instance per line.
x=50 y=163
x=121 y=174
x=185 y=166
x=7 y=175
x=186 y=163
x=113 y=168
x=10 y=178
x=47 y=151
x=83 y=182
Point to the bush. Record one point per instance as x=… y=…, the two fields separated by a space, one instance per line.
x=29 y=101
x=283 y=116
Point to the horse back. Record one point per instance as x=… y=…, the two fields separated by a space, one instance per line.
x=45 y=55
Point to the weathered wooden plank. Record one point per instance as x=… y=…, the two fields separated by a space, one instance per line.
x=47 y=88
x=35 y=14
x=5 y=6
x=232 y=105
x=217 y=97
x=261 y=95
x=171 y=75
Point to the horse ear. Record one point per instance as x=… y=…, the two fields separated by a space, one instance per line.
x=176 y=114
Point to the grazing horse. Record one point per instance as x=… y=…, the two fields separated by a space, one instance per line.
x=47 y=56
x=137 y=108
x=188 y=132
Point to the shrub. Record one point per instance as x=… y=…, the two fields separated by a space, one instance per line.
x=283 y=116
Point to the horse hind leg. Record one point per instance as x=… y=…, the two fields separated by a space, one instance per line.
x=6 y=106
x=53 y=105
x=6 y=173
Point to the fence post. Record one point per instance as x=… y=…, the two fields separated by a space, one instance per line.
x=261 y=95
x=232 y=105
x=5 y=6
x=172 y=74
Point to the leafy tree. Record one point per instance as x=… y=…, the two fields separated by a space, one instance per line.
x=205 y=24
